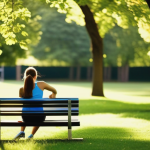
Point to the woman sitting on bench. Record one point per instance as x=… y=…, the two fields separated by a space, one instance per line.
x=32 y=90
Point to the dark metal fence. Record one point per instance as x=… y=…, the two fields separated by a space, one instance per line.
x=83 y=73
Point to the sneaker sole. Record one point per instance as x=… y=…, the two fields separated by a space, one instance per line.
x=19 y=138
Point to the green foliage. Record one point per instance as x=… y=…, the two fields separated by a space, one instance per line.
x=16 y=24
x=10 y=54
x=10 y=17
x=66 y=43
x=24 y=35
x=0 y=51
x=14 y=19
x=125 y=47
x=107 y=13
x=124 y=13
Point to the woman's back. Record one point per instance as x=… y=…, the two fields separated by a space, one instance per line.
x=37 y=92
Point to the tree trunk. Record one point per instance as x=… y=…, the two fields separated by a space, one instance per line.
x=123 y=73
x=89 y=69
x=2 y=73
x=107 y=73
x=71 y=73
x=18 y=72
x=97 y=50
x=126 y=73
x=148 y=3
x=78 y=73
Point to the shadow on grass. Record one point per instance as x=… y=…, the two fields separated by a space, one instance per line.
x=92 y=106
x=2 y=145
x=95 y=138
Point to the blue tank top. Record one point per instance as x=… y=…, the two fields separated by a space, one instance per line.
x=36 y=93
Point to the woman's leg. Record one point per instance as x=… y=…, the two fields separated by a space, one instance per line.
x=23 y=128
x=35 y=128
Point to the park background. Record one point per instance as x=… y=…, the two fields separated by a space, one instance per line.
x=66 y=48
x=62 y=54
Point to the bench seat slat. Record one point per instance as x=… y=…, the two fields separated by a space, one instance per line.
x=45 y=123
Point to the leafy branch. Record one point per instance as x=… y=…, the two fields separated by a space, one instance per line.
x=10 y=28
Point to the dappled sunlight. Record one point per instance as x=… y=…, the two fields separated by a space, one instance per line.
x=120 y=115
x=112 y=120
x=125 y=92
x=137 y=128
x=82 y=92
x=30 y=61
x=10 y=89
x=137 y=93
x=71 y=91
x=107 y=126
x=122 y=97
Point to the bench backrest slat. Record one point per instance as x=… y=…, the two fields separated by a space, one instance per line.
x=51 y=107
x=39 y=105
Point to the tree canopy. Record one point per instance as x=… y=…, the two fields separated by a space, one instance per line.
x=23 y=39
x=125 y=47
x=17 y=26
x=60 y=41
x=107 y=13
x=14 y=14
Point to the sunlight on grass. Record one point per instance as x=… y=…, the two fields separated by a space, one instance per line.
x=137 y=128
x=124 y=92
x=119 y=122
x=129 y=93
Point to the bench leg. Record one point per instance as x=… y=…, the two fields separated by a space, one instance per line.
x=69 y=123
x=69 y=134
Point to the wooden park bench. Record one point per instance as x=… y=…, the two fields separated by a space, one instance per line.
x=56 y=108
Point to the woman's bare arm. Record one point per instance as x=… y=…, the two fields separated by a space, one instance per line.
x=49 y=88
x=21 y=92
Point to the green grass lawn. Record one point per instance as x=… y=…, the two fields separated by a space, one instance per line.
x=120 y=121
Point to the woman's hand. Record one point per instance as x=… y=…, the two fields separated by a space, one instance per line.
x=53 y=95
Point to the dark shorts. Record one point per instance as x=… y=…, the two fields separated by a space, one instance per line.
x=33 y=118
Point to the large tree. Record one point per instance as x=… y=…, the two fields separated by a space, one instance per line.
x=99 y=17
